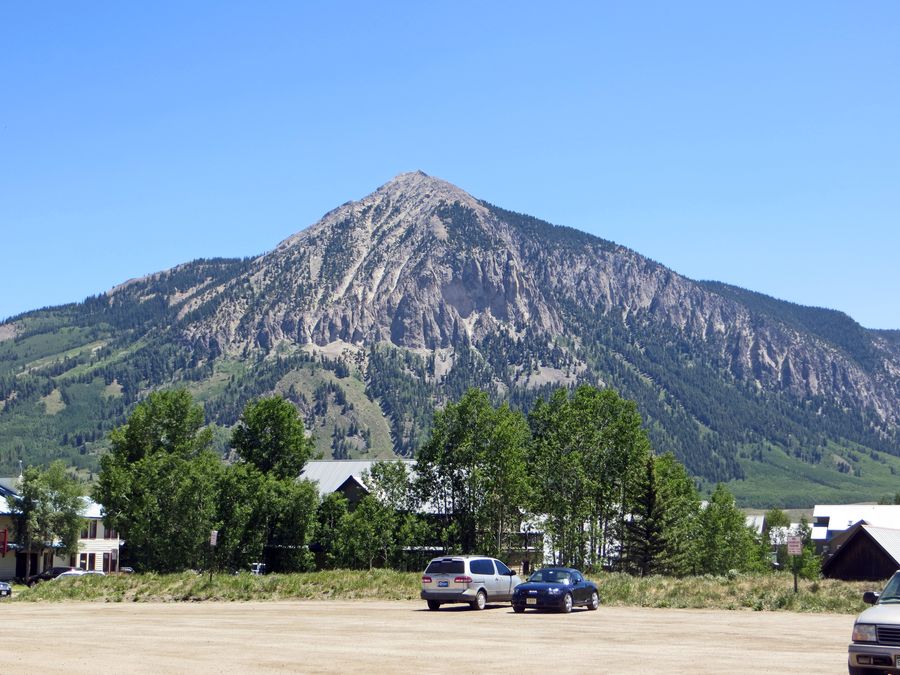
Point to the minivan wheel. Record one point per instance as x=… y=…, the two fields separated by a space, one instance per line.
x=567 y=603
x=518 y=609
x=434 y=605
x=595 y=601
x=480 y=600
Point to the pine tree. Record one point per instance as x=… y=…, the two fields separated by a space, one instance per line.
x=644 y=542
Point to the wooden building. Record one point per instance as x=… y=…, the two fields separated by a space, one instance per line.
x=864 y=553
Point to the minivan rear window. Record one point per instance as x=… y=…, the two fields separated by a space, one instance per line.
x=445 y=567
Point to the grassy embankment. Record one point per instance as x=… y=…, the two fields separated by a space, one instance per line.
x=750 y=592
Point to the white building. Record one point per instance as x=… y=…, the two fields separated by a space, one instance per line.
x=832 y=519
x=98 y=548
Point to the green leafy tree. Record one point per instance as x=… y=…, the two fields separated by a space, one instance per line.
x=391 y=483
x=290 y=524
x=809 y=565
x=241 y=517
x=48 y=511
x=587 y=462
x=331 y=514
x=369 y=534
x=270 y=435
x=473 y=469
x=561 y=486
x=772 y=537
x=725 y=542
x=158 y=484
x=265 y=513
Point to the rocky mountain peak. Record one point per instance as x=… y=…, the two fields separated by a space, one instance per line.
x=410 y=200
x=421 y=291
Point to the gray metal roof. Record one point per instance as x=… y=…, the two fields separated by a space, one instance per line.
x=888 y=539
x=330 y=474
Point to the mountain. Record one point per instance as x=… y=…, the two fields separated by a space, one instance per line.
x=398 y=302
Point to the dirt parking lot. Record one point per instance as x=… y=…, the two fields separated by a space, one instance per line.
x=392 y=637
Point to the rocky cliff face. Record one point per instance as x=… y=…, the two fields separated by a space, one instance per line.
x=415 y=263
x=421 y=264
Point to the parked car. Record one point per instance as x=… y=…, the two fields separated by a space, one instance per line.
x=257 y=568
x=559 y=588
x=876 y=633
x=47 y=574
x=71 y=573
x=476 y=580
x=126 y=570
x=5 y=590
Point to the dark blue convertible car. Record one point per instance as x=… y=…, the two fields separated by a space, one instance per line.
x=559 y=588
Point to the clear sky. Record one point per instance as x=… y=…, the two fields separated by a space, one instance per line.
x=752 y=143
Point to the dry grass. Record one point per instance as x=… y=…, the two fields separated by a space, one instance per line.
x=739 y=591
x=768 y=592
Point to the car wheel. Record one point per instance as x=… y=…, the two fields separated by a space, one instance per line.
x=518 y=609
x=434 y=605
x=595 y=601
x=567 y=604
x=480 y=600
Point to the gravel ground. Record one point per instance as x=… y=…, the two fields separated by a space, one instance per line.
x=392 y=637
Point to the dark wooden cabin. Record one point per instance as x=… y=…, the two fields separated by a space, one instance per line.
x=866 y=554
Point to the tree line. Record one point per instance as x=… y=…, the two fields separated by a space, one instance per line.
x=579 y=469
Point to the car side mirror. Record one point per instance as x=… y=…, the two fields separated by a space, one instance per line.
x=870 y=597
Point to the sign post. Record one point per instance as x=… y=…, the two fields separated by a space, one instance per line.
x=213 y=540
x=795 y=550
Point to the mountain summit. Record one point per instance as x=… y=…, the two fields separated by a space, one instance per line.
x=417 y=263
x=399 y=301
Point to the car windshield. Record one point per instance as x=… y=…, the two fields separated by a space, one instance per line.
x=551 y=576
x=891 y=592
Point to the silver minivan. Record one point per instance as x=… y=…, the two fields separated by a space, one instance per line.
x=476 y=580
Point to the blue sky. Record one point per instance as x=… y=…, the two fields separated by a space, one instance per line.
x=752 y=143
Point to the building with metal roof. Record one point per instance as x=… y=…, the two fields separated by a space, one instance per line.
x=831 y=519
x=864 y=553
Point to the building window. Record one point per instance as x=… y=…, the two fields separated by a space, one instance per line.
x=93 y=531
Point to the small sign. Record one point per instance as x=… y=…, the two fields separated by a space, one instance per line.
x=795 y=545
x=213 y=537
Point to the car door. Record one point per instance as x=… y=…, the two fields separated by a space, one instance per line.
x=504 y=581
x=581 y=593
x=484 y=574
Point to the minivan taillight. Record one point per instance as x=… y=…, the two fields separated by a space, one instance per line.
x=426 y=580
x=462 y=580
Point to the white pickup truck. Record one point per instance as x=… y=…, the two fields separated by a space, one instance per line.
x=876 y=633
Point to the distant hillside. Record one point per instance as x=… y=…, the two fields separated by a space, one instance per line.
x=398 y=302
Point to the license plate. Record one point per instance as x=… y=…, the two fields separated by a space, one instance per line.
x=531 y=601
x=443 y=584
